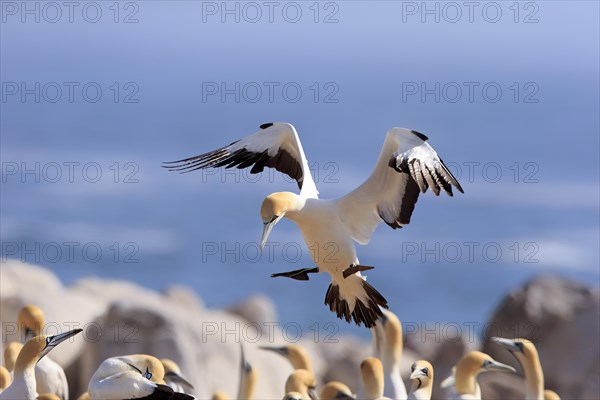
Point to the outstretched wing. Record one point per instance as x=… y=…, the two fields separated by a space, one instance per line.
x=407 y=165
x=276 y=145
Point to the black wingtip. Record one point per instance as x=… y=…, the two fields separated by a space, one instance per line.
x=420 y=135
x=266 y=125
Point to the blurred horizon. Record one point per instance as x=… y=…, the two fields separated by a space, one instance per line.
x=90 y=110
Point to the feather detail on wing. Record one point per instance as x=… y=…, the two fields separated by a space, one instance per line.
x=407 y=165
x=276 y=146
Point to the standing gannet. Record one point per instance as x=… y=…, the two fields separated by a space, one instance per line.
x=49 y=375
x=526 y=354
x=248 y=378
x=336 y=391
x=5 y=378
x=407 y=164
x=173 y=377
x=389 y=344
x=303 y=383
x=371 y=370
x=11 y=352
x=467 y=369
x=421 y=375
x=136 y=376
x=23 y=386
x=295 y=354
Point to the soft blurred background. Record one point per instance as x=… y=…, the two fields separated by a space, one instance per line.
x=507 y=93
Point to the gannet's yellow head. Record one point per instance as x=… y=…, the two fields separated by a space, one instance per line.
x=219 y=395
x=336 y=391
x=476 y=362
x=421 y=374
x=173 y=372
x=150 y=367
x=5 y=379
x=371 y=370
x=31 y=321
x=272 y=209
x=48 y=396
x=36 y=348
x=303 y=382
x=295 y=354
x=393 y=333
x=523 y=350
x=472 y=365
x=294 y=396
x=551 y=395
x=11 y=352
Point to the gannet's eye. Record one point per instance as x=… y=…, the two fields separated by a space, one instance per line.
x=425 y=371
x=148 y=374
x=519 y=346
x=47 y=340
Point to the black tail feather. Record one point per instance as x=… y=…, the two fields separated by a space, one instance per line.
x=362 y=314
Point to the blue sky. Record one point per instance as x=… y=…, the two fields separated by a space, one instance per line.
x=511 y=105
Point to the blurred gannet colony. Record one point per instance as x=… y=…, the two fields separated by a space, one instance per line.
x=108 y=345
x=119 y=341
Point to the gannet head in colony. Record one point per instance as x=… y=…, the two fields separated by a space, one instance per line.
x=273 y=208
x=31 y=321
x=303 y=382
x=371 y=370
x=472 y=365
x=523 y=350
x=336 y=391
x=35 y=349
x=422 y=373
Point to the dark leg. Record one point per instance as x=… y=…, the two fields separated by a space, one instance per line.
x=354 y=269
x=299 y=274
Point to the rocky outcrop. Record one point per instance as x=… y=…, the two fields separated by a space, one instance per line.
x=562 y=318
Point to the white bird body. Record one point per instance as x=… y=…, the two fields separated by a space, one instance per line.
x=119 y=384
x=129 y=377
x=51 y=378
x=406 y=165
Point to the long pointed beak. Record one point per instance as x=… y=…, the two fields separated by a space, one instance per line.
x=506 y=343
x=417 y=373
x=312 y=394
x=267 y=227
x=279 y=350
x=178 y=378
x=498 y=366
x=53 y=341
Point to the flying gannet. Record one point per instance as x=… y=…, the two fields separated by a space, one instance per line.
x=23 y=386
x=407 y=165
x=49 y=375
x=421 y=376
x=527 y=356
x=467 y=369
